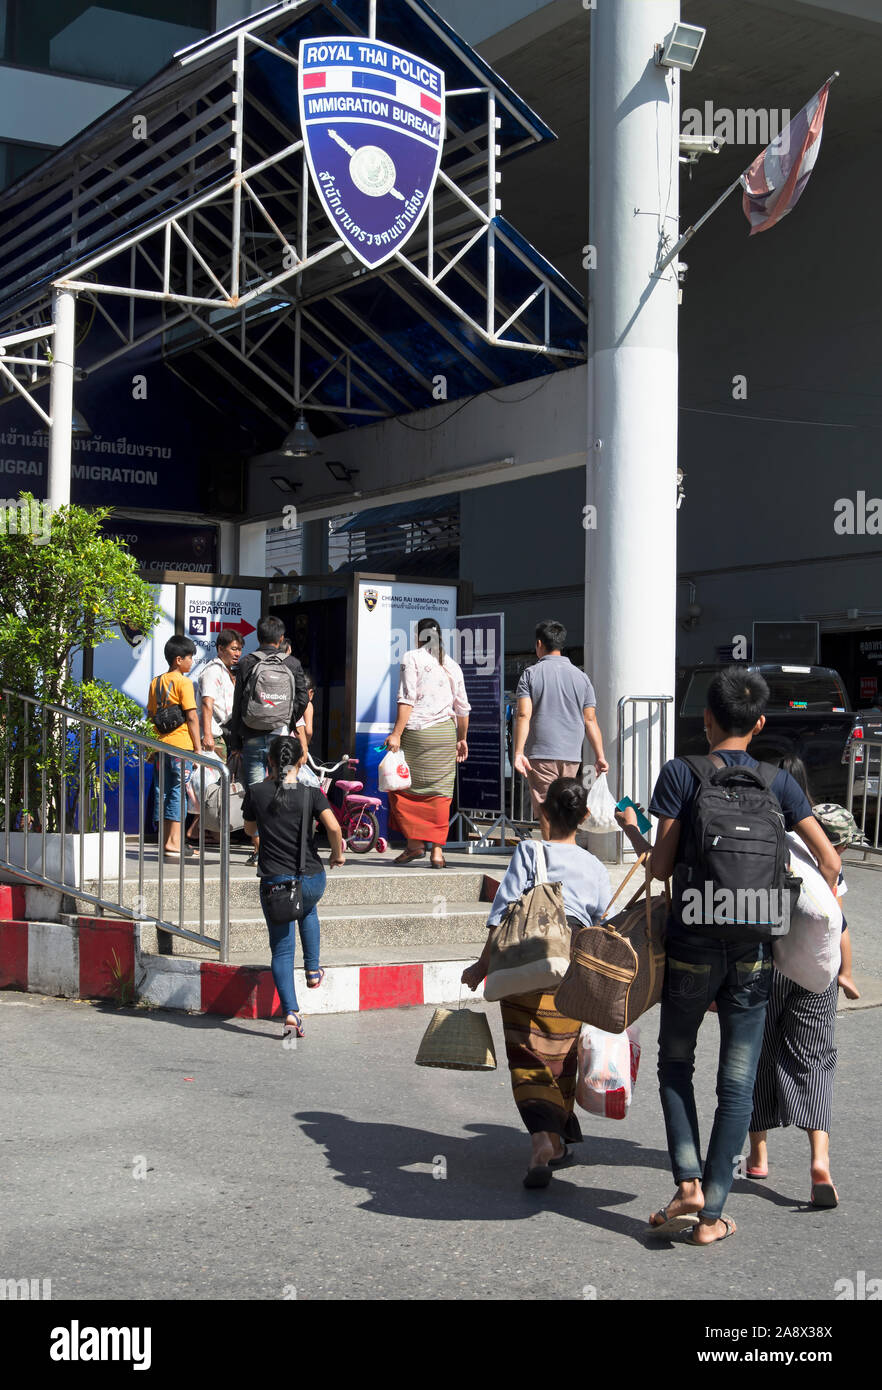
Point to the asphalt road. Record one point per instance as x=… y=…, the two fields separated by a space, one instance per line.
x=270 y=1170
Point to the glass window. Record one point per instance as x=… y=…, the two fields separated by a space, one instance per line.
x=123 y=41
x=815 y=694
x=695 y=699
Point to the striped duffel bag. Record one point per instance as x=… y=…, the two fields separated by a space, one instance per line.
x=618 y=967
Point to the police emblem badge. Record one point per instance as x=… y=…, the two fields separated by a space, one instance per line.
x=370 y=599
x=373 y=122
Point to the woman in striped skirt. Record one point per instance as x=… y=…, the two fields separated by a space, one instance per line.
x=431 y=729
x=794 y=1079
x=542 y=1045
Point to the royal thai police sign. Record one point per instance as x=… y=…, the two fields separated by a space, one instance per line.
x=373 y=125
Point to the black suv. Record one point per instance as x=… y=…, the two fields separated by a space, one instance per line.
x=809 y=714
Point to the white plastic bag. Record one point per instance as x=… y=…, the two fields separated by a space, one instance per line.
x=394 y=774
x=608 y=1064
x=199 y=780
x=601 y=808
x=810 y=953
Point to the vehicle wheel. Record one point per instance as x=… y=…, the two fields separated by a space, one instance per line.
x=382 y=845
x=363 y=834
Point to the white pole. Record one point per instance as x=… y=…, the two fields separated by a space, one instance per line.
x=630 y=607
x=61 y=397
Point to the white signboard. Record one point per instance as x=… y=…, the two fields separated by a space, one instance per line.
x=132 y=668
x=207 y=611
x=386 y=623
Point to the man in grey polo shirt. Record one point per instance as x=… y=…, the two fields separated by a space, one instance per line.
x=556 y=711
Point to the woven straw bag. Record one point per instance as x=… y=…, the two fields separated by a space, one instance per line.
x=618 y=967
x=458 y=1040
x=530 y=949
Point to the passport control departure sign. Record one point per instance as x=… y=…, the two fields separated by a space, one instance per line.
x=373 y=124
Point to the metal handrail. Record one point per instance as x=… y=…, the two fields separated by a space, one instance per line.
x=655 y=705
x=865 y=748
x=125 y=739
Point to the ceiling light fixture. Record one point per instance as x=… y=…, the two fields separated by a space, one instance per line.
x=300 y=443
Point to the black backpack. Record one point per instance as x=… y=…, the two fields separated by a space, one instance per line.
x=731 y=881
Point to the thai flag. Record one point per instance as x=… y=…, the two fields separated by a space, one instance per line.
x=775 y=181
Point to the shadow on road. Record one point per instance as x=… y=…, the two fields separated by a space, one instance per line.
x=483 y=1174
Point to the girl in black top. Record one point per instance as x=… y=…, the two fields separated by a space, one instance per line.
x=281 y=810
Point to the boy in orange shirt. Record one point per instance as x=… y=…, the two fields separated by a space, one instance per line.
x=171 y=705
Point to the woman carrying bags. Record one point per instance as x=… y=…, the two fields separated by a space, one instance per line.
x=283 y=812
x=797 y=1066
x=431 y=696
x=541 y=1045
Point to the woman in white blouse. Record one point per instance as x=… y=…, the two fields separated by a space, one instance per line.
x=431 y=728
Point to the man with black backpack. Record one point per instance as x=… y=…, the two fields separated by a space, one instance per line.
x=721 y=829
x=270 y=690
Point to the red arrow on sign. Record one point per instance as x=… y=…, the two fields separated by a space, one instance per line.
x=243 y=627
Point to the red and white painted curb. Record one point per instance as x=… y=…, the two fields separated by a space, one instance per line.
x=99 y=958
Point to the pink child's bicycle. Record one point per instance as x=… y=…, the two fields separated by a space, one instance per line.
x=356 y=814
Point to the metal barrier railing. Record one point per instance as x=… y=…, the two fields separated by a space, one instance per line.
x=37 y=747
x=520 y=803
x=865 y=784
x=643 y=733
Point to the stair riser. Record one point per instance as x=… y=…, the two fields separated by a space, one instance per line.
x=401 y=890
x=346 y=931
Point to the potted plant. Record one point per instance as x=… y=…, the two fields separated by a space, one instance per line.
x=64 y=587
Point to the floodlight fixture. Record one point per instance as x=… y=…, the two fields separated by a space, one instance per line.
x=681 y=47
x=339 y=471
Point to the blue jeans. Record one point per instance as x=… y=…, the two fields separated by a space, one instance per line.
x=738 y=978
x=283 y=940
x=254 y=755
x=173 y=775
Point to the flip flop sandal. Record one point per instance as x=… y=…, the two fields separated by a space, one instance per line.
x=565 y=1159
x=540 y=1176
x=824 y=1194
x=671 y=1225
x=314 y=978
x=296 y=1028
x=687 y=1239
x=758 y=1174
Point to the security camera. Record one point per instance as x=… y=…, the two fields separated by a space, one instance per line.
x=696 y=145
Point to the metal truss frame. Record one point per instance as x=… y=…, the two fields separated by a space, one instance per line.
x=250 y=257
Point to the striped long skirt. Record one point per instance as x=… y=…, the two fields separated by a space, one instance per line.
x=423 y=812
x=542 y=1050
x=794 y=1079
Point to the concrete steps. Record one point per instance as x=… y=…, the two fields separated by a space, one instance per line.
x=405 y=927
x=371 y=909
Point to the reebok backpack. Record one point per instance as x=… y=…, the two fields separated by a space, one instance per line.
x=269 y=694
x=731 y=881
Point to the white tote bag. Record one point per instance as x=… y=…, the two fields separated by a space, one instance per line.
x=393 y=772
x=811 y=951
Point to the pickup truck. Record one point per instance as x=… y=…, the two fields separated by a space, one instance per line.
x=809 y=714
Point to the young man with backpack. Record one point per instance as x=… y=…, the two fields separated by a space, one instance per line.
x=270 y=690
x=721 y=835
